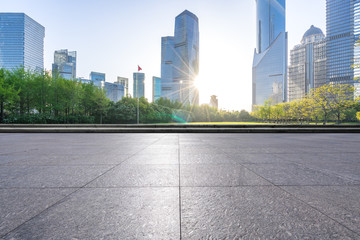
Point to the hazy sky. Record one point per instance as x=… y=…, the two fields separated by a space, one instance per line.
x=114 y=36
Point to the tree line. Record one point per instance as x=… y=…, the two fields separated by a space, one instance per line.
x=39 y=98
x=31 y=97
x=330 y=102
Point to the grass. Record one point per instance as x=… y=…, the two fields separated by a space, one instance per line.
x=229 y=123
x=258 y=123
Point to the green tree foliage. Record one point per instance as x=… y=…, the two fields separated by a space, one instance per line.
x=31 y=97
x=329 y=102
x=7 y=92
x=358 y=116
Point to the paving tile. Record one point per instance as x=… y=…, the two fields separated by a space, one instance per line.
x=346 y=170
x=48 y=176
x=294 y=174
x=258 y=158
x=340 y=203
x=160 y=149
x=19 y=205
x=205 y=159
x=218 y=175
x=204 y=150
x=253 y=213
x=108 y=214
x=69 y=160
x=349 y=158
x=132 y=175
x=154 y=158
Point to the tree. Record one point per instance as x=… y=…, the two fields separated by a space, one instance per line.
x=7 y=92
x=322 y=99
x=341 y=97
x=277 y=112
x=358 y=116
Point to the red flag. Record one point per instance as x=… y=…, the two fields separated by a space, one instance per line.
x=139 y=68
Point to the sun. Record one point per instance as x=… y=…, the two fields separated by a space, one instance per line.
x=199 y=83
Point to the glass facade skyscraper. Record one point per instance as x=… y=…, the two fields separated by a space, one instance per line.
x=21 y=42
x=307 y=68
x=139 y=85
x=180 y=60
x=114 y=91
x=65 y=64
x=167 y=58
x=343 y=30
x=156 y=88
x=97 y=78
x=270 y=57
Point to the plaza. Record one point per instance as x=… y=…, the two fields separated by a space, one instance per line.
x=179 y=186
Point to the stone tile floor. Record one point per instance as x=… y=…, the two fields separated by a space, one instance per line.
x=179 y=186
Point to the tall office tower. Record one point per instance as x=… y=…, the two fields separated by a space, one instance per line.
x=180 y=60
x=307 y=68
x=64 y=64
x=114 y=91
x=139 y=85
x=125 y=82
x=343 y=30
x=21 y=42
x=156 y=88
x=97 y=78
x=167 y=57
x=270 y=58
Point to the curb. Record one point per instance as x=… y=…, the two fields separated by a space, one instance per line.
x=175 y=130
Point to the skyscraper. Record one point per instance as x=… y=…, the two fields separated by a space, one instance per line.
x=307 y=68
x=65 y=64
x=114 y=91
x=180 y=60
x=21 y=42
x=270 y=57
x=156 y=88
x=167 y=58
x=125 y=82
x=139 y=85
x=343 y=30
x=97 y=78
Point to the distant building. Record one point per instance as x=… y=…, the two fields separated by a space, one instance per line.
x=270 y=57
x=21 y=42
x=156 y=88
x=97 y=78
x=125 y=82
x=139 y=85
x=83 y=80
x=214 y=102
x=342 y=30
x=307 y=68
x=64 y=64
x=167 y=58
x=114 y=91
x=180 y=60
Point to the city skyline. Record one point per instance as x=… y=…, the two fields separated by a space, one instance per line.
x=269 y=76
x=180 y=60
x=116 y=43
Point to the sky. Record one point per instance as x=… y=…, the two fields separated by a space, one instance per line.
x=114 y=36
